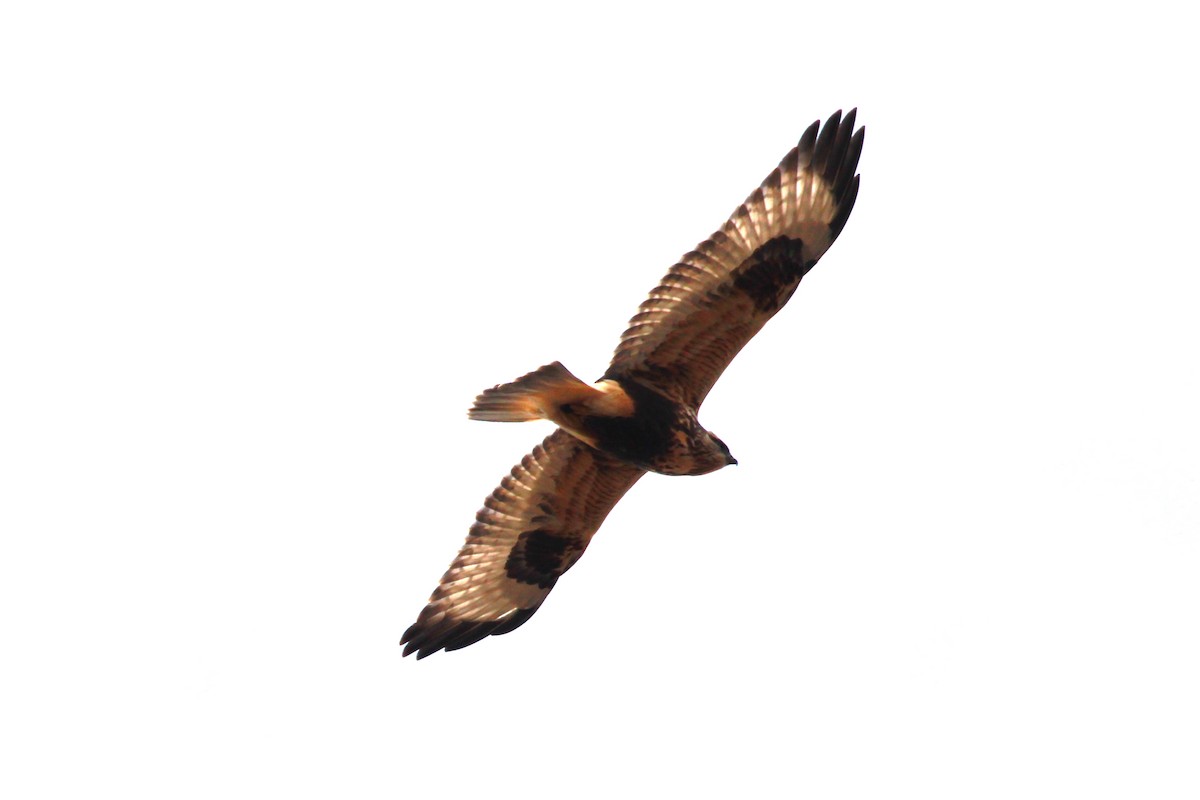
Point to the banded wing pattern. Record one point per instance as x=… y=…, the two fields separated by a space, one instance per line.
x=531 y=530
x=710 y=304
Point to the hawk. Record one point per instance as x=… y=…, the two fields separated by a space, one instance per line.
x=641 y=415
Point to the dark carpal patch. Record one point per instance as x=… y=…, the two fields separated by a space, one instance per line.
x=540 y=557
x=772 y=273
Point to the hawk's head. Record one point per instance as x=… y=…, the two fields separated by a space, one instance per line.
x=720 y=449
x=706 y=453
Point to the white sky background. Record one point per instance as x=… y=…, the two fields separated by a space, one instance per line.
x=258 y=258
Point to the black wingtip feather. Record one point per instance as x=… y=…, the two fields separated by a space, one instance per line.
x=845 y=206
x=836 y=159
x=841 y=141
x=447 y=635
x=808 y=142
x=849 y=163
x=825 y=142
x=467 y=634
x=426 y=641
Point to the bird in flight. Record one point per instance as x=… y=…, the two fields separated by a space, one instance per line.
x=641 y=415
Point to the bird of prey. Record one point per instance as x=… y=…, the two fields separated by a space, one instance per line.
x=641 y=415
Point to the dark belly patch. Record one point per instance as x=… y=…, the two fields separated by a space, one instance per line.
x=642 y=438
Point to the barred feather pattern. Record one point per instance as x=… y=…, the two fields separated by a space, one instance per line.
x=530 y=531
x=709 y=305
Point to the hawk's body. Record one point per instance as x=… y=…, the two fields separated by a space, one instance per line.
x=642 y=414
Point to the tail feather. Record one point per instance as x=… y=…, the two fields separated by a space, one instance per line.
x=532 y=396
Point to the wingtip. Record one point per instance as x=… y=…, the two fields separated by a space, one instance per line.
x=425 y=640
x=418 y=648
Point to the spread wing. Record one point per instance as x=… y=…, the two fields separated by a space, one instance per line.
x=531 y=530
x=712 y=302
